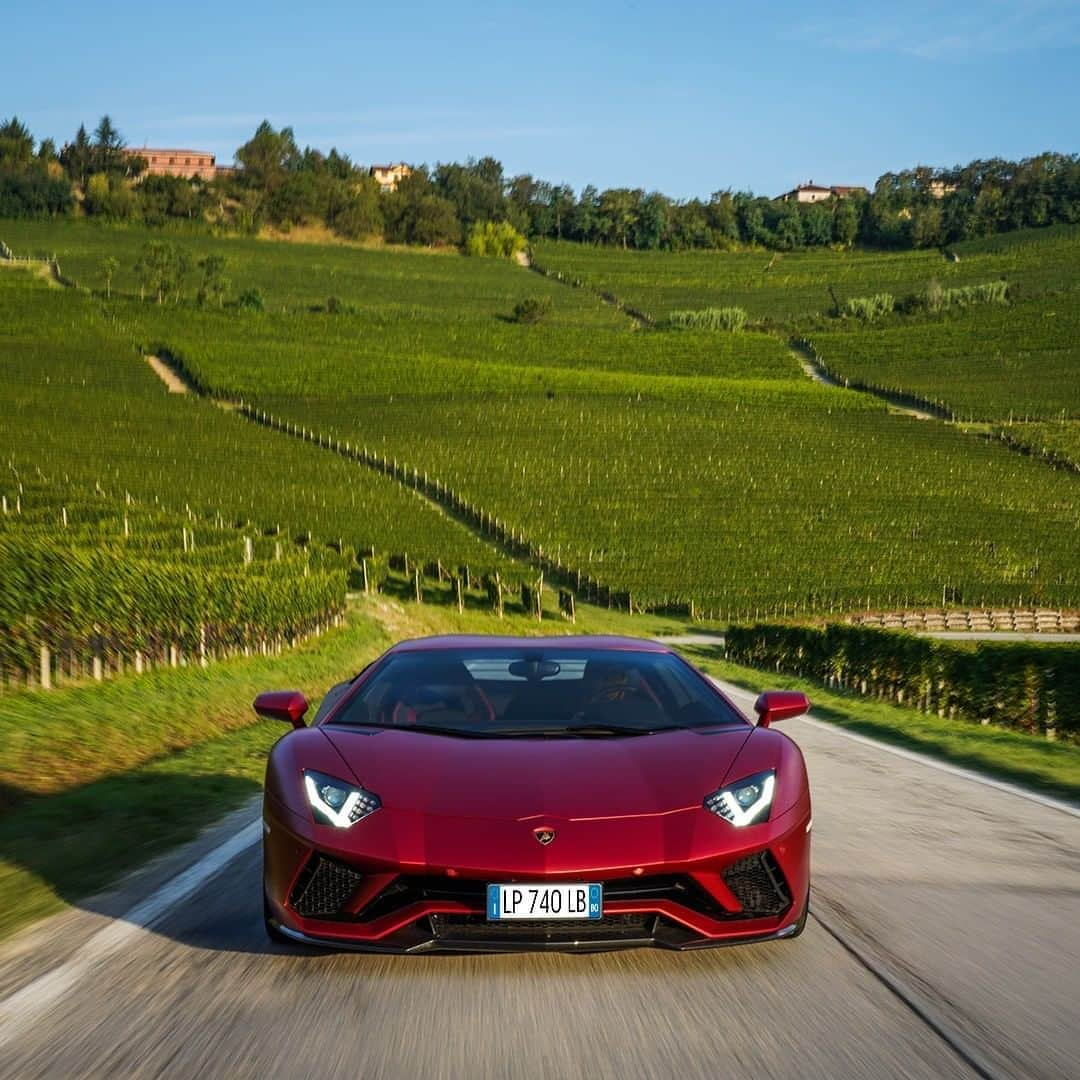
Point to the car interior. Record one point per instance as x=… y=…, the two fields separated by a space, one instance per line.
x=513 y=694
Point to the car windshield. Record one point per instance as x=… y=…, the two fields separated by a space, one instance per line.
x=536 y=693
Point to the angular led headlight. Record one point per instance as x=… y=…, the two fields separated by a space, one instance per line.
x=746 y=802
x=337 y=802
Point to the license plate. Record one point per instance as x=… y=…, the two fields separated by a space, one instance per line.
x=545 y=902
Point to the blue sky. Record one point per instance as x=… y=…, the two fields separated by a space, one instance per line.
x=684 y=97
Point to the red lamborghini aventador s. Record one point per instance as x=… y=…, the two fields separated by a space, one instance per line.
x=485 y=793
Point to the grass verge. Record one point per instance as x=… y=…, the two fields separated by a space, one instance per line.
x=56 y=850
x=1049 y=767
x=56 y=740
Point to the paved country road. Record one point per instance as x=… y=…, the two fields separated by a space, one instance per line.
x=944 y=942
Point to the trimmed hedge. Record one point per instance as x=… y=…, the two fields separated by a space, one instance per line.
x=1020 y=685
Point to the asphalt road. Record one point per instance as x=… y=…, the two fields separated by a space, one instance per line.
x=945 y=942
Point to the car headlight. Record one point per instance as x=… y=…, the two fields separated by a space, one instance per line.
x=745 y=802
x=337 y=802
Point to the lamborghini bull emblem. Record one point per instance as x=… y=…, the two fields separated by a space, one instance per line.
x=544 y=835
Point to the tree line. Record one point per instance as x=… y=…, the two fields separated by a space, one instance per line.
x=279 y=185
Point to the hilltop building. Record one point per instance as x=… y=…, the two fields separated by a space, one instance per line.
x=939 y=189
x=186 y=163
x=389 y=176
x=814 y=193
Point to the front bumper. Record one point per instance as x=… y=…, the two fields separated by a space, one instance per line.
x=750 y=890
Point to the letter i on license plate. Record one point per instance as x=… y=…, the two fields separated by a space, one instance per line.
x=525 y=901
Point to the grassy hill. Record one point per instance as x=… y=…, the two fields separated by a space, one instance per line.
x=84 y=408
x=680 y=466
x=794 y=285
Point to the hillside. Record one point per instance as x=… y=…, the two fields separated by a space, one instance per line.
x=677 y=466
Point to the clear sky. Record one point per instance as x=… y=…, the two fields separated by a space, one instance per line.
x=685 y=97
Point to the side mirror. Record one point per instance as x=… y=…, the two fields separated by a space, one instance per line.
x=286 y=705
x=776 y=705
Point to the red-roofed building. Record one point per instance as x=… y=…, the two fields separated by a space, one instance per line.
x=814 y=193
x=186 y=163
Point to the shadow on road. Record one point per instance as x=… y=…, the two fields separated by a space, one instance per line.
x=77 y=843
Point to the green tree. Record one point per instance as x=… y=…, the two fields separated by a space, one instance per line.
x=925 y=226
x=584 y=218
x=77 y=157
x=498 y=239
x=988 y=212
x=212 y=282
x=789 y=227
x=109 y=265
x=268 y=157
x=108 y=197
x=475 y=189
x=690 y=227
x=16 y=145
x=434 y=223
x=162 y=269
x=46 y=153
x=722 y=215
x=817 y=226
x=846 y=222
x=652 y=221
x=617 y=213
x=108 y=150
x=356 y=210
x=561 y=204
x=751 y=214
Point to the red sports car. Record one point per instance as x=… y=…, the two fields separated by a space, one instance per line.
x=572 y=793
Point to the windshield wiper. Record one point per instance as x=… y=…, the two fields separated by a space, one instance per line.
x=614 y=729
x=433 y=729
x=577 y=731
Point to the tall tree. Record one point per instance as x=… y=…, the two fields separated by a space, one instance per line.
x=652 y=221
x=617 y=212
x=109 y=265
x=561 y=202
x=212 y=282
x=268 y=157
x=789 y=226
x=16 y=145
x=78 y=157
x=846 y=221
x=108 y=155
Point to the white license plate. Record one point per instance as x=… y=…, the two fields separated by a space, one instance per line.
x=525 y=901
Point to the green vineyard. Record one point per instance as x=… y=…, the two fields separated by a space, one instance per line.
x=692 y=469
x=781 y=287
x=84 y=407
x=91 y=581
x=1017 y=362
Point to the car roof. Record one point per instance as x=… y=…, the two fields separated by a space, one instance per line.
x=584 y=642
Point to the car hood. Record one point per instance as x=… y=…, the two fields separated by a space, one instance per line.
x=514 y=779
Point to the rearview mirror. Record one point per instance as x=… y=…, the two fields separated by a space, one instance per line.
x=286 y=705
x=776 y=705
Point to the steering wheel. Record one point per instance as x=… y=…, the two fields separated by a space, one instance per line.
x=473 y=702
x=617 y=694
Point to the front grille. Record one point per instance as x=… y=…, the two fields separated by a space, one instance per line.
x=758 y=884
x=552 y=931
x=323 y=888
x=408 y=889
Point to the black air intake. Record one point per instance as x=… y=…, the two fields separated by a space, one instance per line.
x=758 y=884
x=323 y=888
